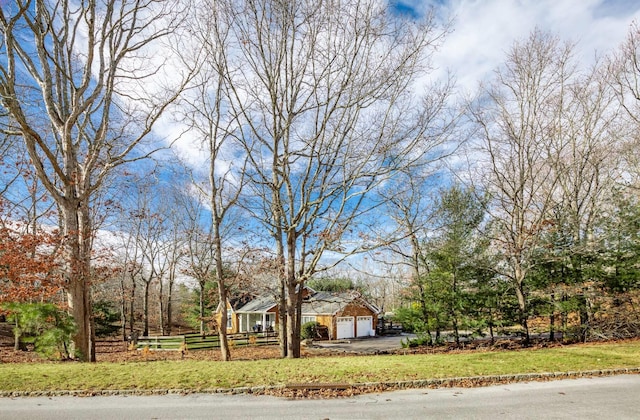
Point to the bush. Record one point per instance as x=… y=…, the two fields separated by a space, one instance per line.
x=410 y=319
x=309 y=330
x=420 y=340
x=44 y=325
x=106 y=318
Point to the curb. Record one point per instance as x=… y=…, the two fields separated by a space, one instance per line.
x=470 y=381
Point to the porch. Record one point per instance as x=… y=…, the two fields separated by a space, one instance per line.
x=256 y=322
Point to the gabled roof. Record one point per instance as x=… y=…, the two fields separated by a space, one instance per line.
x=318 y=303
x=240 y=301
x=260 y=304
x=329 y=303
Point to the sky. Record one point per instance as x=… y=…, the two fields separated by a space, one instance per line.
x=483 y=30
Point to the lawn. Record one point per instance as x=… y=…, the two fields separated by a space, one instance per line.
x=198 y=375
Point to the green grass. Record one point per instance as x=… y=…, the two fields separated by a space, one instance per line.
x=199 y=375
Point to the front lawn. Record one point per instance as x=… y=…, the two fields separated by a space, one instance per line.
x=197 y=375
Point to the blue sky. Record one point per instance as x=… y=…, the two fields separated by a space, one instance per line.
x=483 y=30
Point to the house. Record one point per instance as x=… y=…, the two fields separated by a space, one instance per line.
x=346 y=314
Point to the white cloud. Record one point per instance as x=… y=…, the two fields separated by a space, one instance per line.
x=484 y=30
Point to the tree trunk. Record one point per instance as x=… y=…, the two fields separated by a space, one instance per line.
x=123 y=308
x=293 y=323
x=564 y=314
x=522 y=312
x=491 y=334
x=163 y=330
x=222 y=288
x=586 y=316
x=283 y=336
x=417 y=279
x=456 y=332
x=424 y=309
x=454 y=313
x=201 y=311
x=172 y=281
x=76 y=227
x=294 y=302
x=80 y=307
x=145 y=309
x=169 y=308
x=16 y=334
x=552 y=318
x=132 y=308
x=282 y=315
x=225 y=353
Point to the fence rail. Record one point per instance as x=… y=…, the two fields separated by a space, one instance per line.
x=208 y=342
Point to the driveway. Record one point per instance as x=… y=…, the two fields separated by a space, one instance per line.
x=365 y=345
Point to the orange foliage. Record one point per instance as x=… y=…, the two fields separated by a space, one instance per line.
x=29 y=270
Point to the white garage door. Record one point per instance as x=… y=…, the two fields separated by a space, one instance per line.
x=365 y=326
x=345 y=327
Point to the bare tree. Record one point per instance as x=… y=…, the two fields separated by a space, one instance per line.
x=172 y=249
x=624 y=69
x=22 y=193
x=410 y=206
x=624 y=73
x=86 y=67
x=11 y=153
x=129 y=270
x=126 y=232
x=200 y=261
x=151 y=221
x=206 y=109
x=517 y=115
x=585 y=158
x=175 y=255
x=323 y=91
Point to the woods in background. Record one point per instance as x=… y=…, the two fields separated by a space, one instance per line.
x=281 y=144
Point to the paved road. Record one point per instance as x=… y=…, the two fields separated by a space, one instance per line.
x=586 y=398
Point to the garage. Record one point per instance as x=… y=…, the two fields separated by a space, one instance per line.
x=344 y=327
x=365 y=326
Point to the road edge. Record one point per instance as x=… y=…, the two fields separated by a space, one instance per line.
x=356 y=388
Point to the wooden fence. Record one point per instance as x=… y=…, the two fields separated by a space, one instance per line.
x=197 y=342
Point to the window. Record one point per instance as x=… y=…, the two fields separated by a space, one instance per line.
x=229 y=323
x=307 y=318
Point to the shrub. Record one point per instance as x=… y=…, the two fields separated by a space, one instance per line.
x=106 y=318
x=411 y=320
x=419 y=341
x=44 y=325
x=309 y=330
